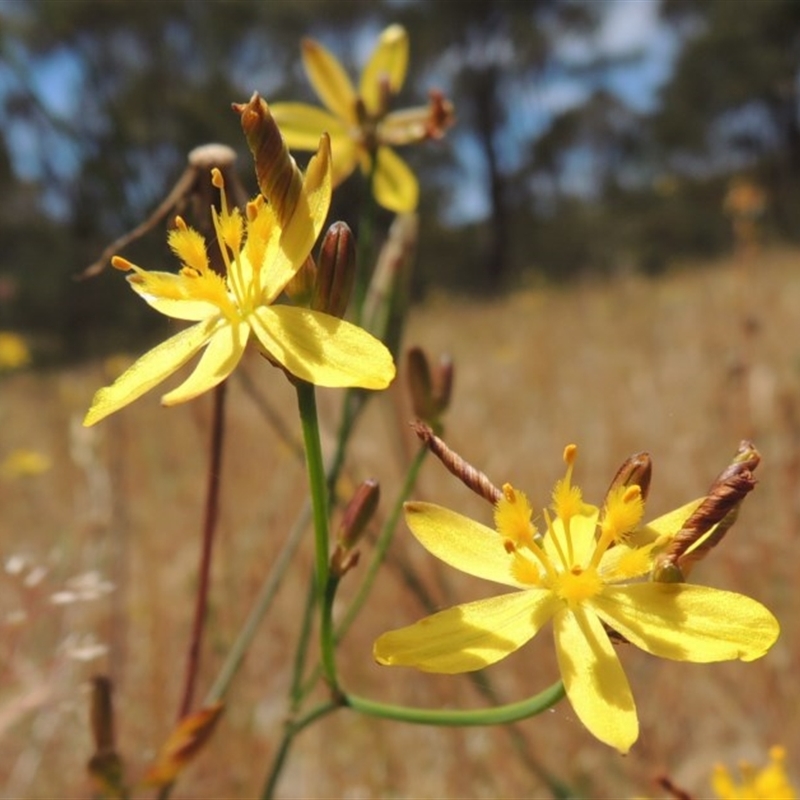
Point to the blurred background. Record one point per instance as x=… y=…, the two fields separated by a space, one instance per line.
x=593 y=136
x=616 y=213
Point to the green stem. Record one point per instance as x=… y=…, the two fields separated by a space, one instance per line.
x=499 y=715
x=381 y=547
x=291 y=729
x=364 y=251
x=301 y=651
x=307 y=405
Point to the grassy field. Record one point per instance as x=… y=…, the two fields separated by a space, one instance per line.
x=101 y=550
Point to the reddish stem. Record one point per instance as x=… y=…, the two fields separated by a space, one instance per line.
x=209 y=526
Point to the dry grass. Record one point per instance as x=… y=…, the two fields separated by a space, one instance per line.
x=666 y=366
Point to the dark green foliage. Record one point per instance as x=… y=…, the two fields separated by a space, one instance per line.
x=153 y=80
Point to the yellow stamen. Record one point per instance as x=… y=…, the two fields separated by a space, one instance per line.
x=512 y=517
x=525 y=571
x=623 y=512
x=122 y=264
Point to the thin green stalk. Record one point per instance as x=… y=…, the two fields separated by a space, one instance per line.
x=307 y=405
x=379 y=554
x=499 y=715
x=354 y=402
x=301 y=651
x=291 y=729
x=365 y=245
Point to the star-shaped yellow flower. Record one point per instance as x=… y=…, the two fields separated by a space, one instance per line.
x=577 y=573
x=262 y=250
x=769 y=783
x=359 y=122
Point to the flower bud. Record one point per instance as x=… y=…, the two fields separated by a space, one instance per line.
x=636 y=470
x=443 y=384
x=430 y=394
x=336 y=272
x=420 y=385
x=359 y=512
x=357 y=515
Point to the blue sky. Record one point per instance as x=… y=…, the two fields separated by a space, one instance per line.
x=629 y=28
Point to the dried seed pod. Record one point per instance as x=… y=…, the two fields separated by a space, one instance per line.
x=706 y=527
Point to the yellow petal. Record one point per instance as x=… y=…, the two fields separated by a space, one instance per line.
x=388 y=62
x=594 y=680
x=406 y=126
x=304 y=226
x=329 y=80
x=301 y=124
x=461 y=542
x=152 y=368
x=665 y=525
x=394 y=184
x=322 y=349
x=220 y=359
x=470 y=636
x=687 y=622
x=173 y=299
x=581 y=541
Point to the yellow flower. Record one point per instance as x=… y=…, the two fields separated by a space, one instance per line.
x=23 y=463
x=14 y=352
x=769 y=783
x=262 y=251
x=359 y=123
x=575 y=572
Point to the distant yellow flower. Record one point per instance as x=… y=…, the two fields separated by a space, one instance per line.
x=359 y=122
x=262 y=251
x=14 y=352
x=769 y=783
x=23 y=463
x=577 y=573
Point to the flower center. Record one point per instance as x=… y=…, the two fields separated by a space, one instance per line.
x=577 y=585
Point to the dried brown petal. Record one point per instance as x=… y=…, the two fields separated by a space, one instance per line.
x=720 y=507
x=278 y=176
x=183 y=744
x=465 y=472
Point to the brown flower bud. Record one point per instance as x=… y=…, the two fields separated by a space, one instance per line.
x=336 y=272
x=430 y=393
x=359 y=512
x=420 y=385
x=443 y=384
x=357 y=515
x=636 y=470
